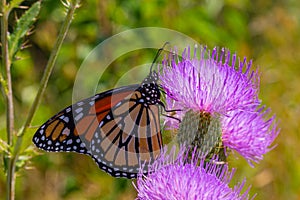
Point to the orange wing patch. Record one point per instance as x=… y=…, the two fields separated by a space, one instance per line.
x=132 y=135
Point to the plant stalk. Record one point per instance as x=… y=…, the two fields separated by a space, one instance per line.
x=49 y=67
x=71 y=7
x=6 y=64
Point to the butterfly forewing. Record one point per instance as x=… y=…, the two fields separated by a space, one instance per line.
x=73 y=127
x=118 y=128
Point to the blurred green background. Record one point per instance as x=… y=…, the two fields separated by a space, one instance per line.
x=265 y=31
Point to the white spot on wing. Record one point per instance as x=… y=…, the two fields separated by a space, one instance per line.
x=118 y=104
x=78 y=110
x=94 y=97
x=82 y=145
x=70 y=141
x=66 y=132
x=66 y=119
x=79 y=116
x=80 y=103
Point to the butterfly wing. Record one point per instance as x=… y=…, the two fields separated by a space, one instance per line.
x=71 y=129
x=115 y=128
x=58 y=134
x=129 y=136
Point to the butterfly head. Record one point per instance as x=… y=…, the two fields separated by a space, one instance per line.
x=151 y=78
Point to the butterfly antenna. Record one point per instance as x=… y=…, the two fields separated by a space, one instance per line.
x=158 y=54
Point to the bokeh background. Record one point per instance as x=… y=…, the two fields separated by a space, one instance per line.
x=265 y=31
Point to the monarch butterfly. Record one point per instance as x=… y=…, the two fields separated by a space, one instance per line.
x=118 y=128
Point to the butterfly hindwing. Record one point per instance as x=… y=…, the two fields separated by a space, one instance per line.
x=128 y=136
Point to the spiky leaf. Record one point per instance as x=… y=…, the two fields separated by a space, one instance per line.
x=23 y=25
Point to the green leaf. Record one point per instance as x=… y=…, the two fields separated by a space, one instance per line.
x=4 y=147
x=22 y=27
x=25 y=157
x=5 y=150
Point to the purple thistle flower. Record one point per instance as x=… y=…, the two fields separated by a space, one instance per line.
x=172 y=177
x=214 y=85
x=249 y=133
x=210 y=84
